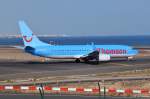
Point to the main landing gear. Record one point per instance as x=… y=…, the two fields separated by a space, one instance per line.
x=77 y=60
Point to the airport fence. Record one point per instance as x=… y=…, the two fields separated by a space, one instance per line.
x=116 y=87
x=77 y=90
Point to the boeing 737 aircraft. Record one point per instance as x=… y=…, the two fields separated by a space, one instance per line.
x=86 y=53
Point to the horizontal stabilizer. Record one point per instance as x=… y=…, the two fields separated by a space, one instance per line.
x=19 y=47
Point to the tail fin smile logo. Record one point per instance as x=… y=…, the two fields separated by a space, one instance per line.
x=27 y=39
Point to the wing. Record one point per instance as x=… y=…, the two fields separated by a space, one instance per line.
x=91 y=55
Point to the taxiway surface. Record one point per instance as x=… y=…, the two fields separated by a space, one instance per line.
x=10 y=69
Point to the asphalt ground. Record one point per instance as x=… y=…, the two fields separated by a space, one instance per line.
x=12 y=69
x=5 y=96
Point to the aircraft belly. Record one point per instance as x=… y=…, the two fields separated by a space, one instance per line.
x=62 y=57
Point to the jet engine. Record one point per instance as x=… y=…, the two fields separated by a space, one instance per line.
x=104 y=57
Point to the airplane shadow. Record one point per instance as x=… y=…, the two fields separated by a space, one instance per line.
x=58 y=62
x=63 y=62
x=73 y=62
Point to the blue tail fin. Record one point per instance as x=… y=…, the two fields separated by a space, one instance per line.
x=29 y=38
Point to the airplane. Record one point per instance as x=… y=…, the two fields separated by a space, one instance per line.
x=86 y=53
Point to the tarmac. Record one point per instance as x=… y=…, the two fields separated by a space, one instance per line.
x=5 y=96
x=15 y=63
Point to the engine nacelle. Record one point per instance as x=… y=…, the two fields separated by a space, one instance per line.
x=104 y=57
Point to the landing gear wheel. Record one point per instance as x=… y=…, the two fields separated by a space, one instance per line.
x=77 y=60
x=97 y=60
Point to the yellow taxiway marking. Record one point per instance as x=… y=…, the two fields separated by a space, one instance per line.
x=120 y=64
x=142 y=64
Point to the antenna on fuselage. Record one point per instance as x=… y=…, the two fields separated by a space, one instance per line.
x=93 y=45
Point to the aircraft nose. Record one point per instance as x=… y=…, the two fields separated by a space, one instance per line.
x=134 y=52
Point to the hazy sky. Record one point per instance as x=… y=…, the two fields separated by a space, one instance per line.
x=77 y=17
